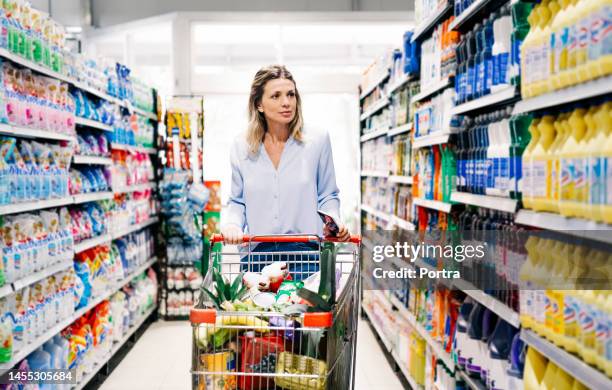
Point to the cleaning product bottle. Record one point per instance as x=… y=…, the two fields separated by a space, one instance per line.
x=528 y=51
x=586 y=318
x=541 y=44
x=527 y=295
x=597 y=163
x=519 y=139
x=555 y=162
x=607 y=168
x=563 y=380
x=539 y=169
x=550 y=376
x=500 y=345
x=558 y=43
x=577 y=385
x=584 y=34
x=547 y=54
x=583 y=191
x=572 y=165
x=535 y=368
x=571 y=78
x=602 y=329
x=608 y=349
x=520 y=16
x=40 y=360
x=599 y=52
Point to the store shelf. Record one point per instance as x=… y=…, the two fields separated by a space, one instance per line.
x=93 y=197
x=433 y=204
x=430 y=140
x=24 y=132
x=5 y=290
x=373 y=86
x=474 y=13
x=583 y=91
x=134 y=228
x=35 y=205
x=489 y=101
x=91 y=160
x=136 y=188
x=573 y=226
x=374 y=174
x=574 y=366
x=435 y=345
x=501 y=309
x=376 y=213
x=400 y=179
x=490 y=202
x=146 y=114
x=92 y=243
x=4 y=53
x=115 y=348
x=93 y=124
x=429 y=23
x=373 y=134
x=436 y=87
x=374 y=108
x=42 y=274
x=378 y=330
x=399 y=130
x=31 y=347
x=133 y=149
x=472 y=383
x=402 y=223
x=401 y=81
x=95 y=92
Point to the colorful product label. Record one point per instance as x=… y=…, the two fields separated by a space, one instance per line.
x=566 y=184
x=596 y=180
x=538 y=178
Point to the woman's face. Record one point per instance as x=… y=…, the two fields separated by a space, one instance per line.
x=278 y=102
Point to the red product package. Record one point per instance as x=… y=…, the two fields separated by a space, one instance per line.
x=259 y=355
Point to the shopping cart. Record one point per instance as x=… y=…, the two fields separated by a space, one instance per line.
x=252 y=350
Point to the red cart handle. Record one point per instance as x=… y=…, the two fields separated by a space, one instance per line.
x=355 y=239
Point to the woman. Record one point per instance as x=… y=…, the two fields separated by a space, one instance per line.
x=282 y=174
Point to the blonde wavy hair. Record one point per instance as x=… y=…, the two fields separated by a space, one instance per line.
x=257 y=121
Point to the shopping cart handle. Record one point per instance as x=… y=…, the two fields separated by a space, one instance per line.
x=215 y=238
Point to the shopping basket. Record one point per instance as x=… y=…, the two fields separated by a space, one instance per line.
x=278 y=348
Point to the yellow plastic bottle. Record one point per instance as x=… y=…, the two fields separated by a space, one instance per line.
x=583 y=190
x=607 y=155
x=582 y=49
x=528 y=59
x=561 y=133
x=548 y=55
x=608 y=353
x=572 y=167
x=539 y=169
x=578 y=385
x=573 y=23
x=527 y=162
x=602 y=330
x=542 y=275
x=576 y=256
x=562 y=75
x=550 y=376
x=587 y=326
x=526 y=273
x=557 y=42
x=541 y=44
x=563 y=380
x=597 y=174
x=535 y=368
x=599 y=53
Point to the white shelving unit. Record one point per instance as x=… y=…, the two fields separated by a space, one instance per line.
x=134 y=228
x=92 y=243
x=4 y=53
x=400 y=179
x=91 y=160
x=374 y=174
x=370 y=88
x=572 y=226
x=471 y=382
x=432 y=89
x=26 y=132
x=400 y=130
x=6 y=290
x=433 y=204
x=388 y=345
x=499 y=97
x=374 y=108
x=468 y=14
x=29 y=348
x=93 y=197
x=490 y=202
x=35 y=205
x=402 y=223
x=42 y=274
x=374 y=134
x=578 y=92
x=376 y=213
x=430 y=140
x=502 y=310
x=93 y=124
x=431 y=21
x=589 y=376
x=400 y=82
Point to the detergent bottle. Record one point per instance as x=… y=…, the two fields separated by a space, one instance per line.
x=555 y=162
x=539 y=294
x=557 y=41
x=527 y=294
x=574 y=40
x=597 y=163
x=554 y=292
x=607 y=158
x=586 y=317
x=540 y=168
x=521 y=27
x=526 y=186
x=550 y=376
x=520 y=137
x=535 y=368
x=583 y=40
x=608 y=351
x=540 y=65
x=546 y=54
x=572 y=167
x=602 y=329
x=600 y=46
x=563 y=73
x=583 y=153
x=577 y=385
x=527 y=51
x=563 y=380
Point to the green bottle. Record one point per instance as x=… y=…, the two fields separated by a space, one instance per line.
x=520 y=137
x=520 y=12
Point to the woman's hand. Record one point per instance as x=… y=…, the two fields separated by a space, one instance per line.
x=343 y=233
x=232 y=235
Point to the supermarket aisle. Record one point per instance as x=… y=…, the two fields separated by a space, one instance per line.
x=160 y=360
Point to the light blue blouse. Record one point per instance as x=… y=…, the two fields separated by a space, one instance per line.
x=264 y=200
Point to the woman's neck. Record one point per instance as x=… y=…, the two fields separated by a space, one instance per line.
x=277 y=132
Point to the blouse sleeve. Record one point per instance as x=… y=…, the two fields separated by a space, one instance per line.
x=327 y=190
x=236 y=210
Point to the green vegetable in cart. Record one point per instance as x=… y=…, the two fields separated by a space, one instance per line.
x=327 y=287
x=225 y=291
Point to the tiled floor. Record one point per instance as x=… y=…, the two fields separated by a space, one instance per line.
x=160 y=360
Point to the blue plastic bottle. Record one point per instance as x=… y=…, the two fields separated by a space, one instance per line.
x=479 y=60
x=40 y=360
x=55 y=352
x=487 y=56
x=471 y=64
